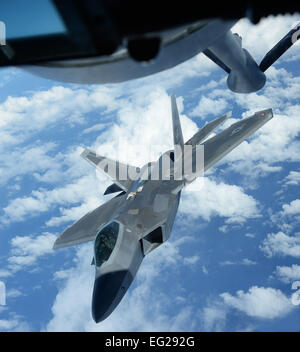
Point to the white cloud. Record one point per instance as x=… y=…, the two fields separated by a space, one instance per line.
x=223 y=228
x=191 y=260
x=207 y=198
x=5 y=273
x=126 y=141
x=291 y=209
x=281 y=244
x=96 y=128
x=22 y=118
x=204 y=270
x=293 y=178
x=260 y=38
x=214 y=318
x=46 y=107
x=207 y=106
x=14 y=293
x=71 y=312
x=288 y=273
x=245 y=261
x=26 y=250
x=210 y=85
x=81 y=190
x=19 y=161
x=259 y=302
x=227 y=262
x=15 y=324
x=250 y=235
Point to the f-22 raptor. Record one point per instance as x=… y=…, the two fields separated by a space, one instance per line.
x=140 y=217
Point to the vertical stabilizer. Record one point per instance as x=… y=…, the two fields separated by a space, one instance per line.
x=177 y=133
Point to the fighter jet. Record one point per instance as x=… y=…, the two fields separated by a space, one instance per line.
x=140 y=217
x=100 y=41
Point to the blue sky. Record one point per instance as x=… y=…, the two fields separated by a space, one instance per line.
x=235 y=248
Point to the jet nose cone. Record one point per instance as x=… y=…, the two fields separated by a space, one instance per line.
x=109 y=289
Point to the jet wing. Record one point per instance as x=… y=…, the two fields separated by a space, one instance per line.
x=121 y=174
x=86 y=228
x=207 y=130
x=220 y=145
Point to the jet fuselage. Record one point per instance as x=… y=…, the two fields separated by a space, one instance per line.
x=143 y=221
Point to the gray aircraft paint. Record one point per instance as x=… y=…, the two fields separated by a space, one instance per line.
x=245 y=75
x=178 y=45
x=212 y=37
x=145 y=211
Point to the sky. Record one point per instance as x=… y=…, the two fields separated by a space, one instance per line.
x=232 y=262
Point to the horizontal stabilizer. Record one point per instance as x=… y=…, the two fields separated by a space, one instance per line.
x=86 y=228
x=220 y=145
x=121 y=174
x=207 y=130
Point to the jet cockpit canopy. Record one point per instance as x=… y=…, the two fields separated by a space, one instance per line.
x=105 y=242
